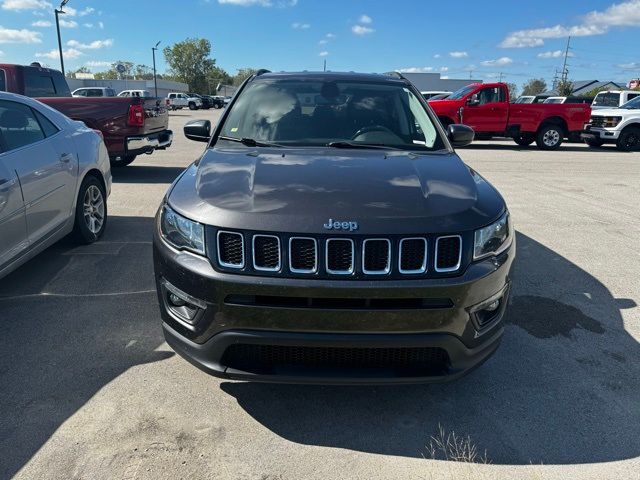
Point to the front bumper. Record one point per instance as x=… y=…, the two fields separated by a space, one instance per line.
x=298 y=331
x=149 y=143
x=606 y=134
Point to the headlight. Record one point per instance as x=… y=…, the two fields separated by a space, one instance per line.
x=493 y=239
x=181 y=232
x=610 y=122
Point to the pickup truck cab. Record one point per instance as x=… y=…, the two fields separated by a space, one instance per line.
x=130 y=126
x=485 y=107
x=613 y=98
x=620 y=126
x=178 y=100
x=93 y=92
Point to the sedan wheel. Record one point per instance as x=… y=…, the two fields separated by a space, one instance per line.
x=91 y=211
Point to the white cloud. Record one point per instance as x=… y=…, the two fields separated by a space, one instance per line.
x=626 y=14
x=98 y=63
x=42 y=23
x=25 y=4
x=1 y=53
x=87 y=25
x=8 y=35
x=458 y=54
x=323 y=54
x=260 y=3
x=95 y=45
x=68 y=23
x=629 y=66
x=72 y=12
x=362 y=30
x=437 y=55
x=101 y=25
x=444 y=69
x=54 y=54
x=416 y=69
x=323 y=42
x=498 y=62
x=87 y=11
x=365 y=19
x=330 y=36
x=300 y=26
x=554 y=54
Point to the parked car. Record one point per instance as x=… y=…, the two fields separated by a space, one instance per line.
x=530 y=99
x=485 y=107
x=613 y=98
x=93 y=92
x=339 y=242
x=130 y=125
x=206 y=101
x=440 y=96
x=216 y=101
x=620 y=126
x=54 y=180
x=555 y=100
x=227 y=100
x=136 y=93
x=179 y=100
x=432 y=93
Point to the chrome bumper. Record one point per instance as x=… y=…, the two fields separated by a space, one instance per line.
x=149 y=143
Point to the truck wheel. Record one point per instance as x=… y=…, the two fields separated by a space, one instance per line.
x=594 y=142
x=549 y=137
x=91 y=211
x=122 y=160
x=524 y=140
x=629 y=139
x=192 y=106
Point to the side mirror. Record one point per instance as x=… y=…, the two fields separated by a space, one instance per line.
x=198 y=130
x=473 y=100
x=460 y=135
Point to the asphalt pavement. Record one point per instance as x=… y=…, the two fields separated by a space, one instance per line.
x=90 y=390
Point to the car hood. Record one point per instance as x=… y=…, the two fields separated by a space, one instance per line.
x=299 y=190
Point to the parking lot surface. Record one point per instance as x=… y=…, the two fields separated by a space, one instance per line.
x=89 y=389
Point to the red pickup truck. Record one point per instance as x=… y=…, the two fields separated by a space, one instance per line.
x=485 y=107
x=130 y=125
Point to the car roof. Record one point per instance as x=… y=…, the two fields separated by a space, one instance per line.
x=332 y=76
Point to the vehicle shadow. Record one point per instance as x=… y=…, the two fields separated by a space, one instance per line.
x=145 y=174
x=67 y=331
x=563 y=387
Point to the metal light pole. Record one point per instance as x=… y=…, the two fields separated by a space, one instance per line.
x=58 y=12
x=155 y=82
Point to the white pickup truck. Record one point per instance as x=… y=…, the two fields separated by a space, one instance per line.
x=613 y=98
x=615 y=125
x=177 y=100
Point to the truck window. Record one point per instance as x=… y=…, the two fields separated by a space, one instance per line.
x=38 y=85
x=608 y=99
x=60 y=84
x=490 y=95
x=110 y=92
x=94 y=92
x=3 y=81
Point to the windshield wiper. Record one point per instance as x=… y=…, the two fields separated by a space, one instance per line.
x=344 y=144
x=249 y=142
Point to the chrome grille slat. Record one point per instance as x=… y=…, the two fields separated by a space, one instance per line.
x=376 y=258
x=231 y=255
x=301 y=256
x=266 y=253
x=409 y=255
x=448 y=256
x=340 y=252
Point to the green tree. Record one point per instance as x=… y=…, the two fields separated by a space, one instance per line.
x=243 y=74
x=564 y=88
x=143 y=72
x=113 y=74
x=217 y=76
x=72 y=73
x=594 y=92
x=190 y=62
x=513 y=90
x=534 y=86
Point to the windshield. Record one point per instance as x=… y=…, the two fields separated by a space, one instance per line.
x=458 y=94
x=314 y=113
x=607 y=99
x=632 y=104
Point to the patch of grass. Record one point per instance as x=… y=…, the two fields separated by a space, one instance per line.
x=449 y=446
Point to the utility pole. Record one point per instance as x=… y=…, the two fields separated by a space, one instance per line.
x=155 y=81
x=565 y=72
x=470 y=74
x=325 y=65
x=500 y=79
x=58 y=12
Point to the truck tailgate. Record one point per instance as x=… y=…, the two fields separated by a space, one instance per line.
x=156 y=115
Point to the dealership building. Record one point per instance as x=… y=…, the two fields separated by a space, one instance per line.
x=434 y=82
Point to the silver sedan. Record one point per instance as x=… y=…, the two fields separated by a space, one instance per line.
x=54 y=180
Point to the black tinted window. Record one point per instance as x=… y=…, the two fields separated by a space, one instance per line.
x=38 y=85
x=18 y=125
x=3 y=82
x=47 y=127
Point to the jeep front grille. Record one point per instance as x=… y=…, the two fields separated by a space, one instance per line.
x=354 y=257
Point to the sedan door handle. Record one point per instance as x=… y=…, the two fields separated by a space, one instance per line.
x=66 y=157
x=6 y=184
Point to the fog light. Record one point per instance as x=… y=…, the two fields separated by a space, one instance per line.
x=176 y=301
x=181 y=305
x=492 y=306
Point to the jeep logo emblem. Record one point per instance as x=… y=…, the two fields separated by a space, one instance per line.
x=341 y=225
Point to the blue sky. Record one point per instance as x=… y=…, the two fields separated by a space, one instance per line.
x=519 y=40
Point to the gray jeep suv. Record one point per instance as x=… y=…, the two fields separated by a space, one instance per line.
x=330 y=234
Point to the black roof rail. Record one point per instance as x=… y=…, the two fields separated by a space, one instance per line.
x=398 y=75
x=262 y=71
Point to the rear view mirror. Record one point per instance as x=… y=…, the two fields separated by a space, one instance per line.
x=460 y=135
x=198 y=130
x=473 y=100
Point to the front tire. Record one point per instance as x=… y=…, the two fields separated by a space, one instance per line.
x=192 y=106
x=629 y=139
x=549 y=137
x=91 y=211
x=122 y=160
